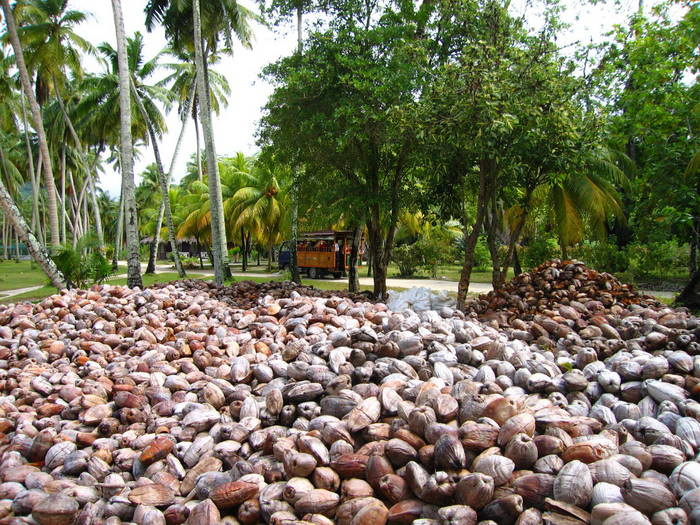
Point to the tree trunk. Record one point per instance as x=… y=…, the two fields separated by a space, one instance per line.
x=64 y=212
x=38 y=123
x=353 y=281
x=36 y=226
x=690 y=296
x=163 y=180
x=269 y=257
x=378 y=249
x=161 y=212
x=198 y=154
x=694 y=241
x=517 y=268
x=30 y=163
x=486 y=172
x=36 y=250
x=293 y=259
x=153 y=245
x=133 y=278
x=88 y=174
x=244 y=249
x=218 y=229
x=199 y=254
x=118 y=236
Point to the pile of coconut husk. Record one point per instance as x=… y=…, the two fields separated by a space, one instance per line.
x=246 y=294
x=555 y=283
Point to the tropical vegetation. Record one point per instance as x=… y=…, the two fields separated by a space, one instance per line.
x=461 y=134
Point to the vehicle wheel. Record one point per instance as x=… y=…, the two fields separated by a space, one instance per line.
x=312 y=273
x=283 y=267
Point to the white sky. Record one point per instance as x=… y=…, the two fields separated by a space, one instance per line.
x=234 y=128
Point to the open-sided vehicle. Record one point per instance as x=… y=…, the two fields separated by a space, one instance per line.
x=320 y=253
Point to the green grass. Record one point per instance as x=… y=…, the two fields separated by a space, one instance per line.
x=22 y=274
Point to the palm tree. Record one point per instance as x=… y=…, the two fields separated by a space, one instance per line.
x=218 y=230
x=223 y=18
x=258 y=206
x=163 y=183
x=132 y=240
x=182 y=83
x=588 y=197
x=98 y=110
x=38 y=124
x=194 y=218
x=37 y=251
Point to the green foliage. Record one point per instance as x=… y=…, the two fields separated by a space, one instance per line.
x=604 y=256
x=408 y=258
x=190 y=263
x=83 y=265
x=428 y=253
x=538 y=251
x=658 y=260
x=436 y=248
x=482 y=257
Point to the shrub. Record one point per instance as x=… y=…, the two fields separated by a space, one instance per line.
x=408 y=258
x=190 y=263
x=83 y=265
x=658 y=260
x=540 y=250
x=604 y=256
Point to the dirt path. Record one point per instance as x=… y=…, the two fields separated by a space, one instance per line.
x=18 y=291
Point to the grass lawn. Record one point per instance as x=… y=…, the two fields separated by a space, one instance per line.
x=22 y=274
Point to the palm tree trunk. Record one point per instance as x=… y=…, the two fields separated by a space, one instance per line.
x=38 y=123
x=133 y=278
x=88 y=173
x=23 y=232
x=244 y=264
x=63 y=195
x=269 y=257
x=30 y=162
x=120 y=232
x=162 y=179
x=36 y=177
x=151 y=268
x=199 y=148
x=218 y=230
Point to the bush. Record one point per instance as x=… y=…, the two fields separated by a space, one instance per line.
x=408 y=258
x=658 y=260
x=83 y=265
x=538 y=251
x=482 y=255
x=190 y=263
x=604 y=256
